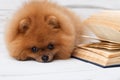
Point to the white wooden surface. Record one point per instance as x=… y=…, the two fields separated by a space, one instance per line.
x=71 y=69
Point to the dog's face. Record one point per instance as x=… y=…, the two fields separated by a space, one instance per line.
x=41 y=39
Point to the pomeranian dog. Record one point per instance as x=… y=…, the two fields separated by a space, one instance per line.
x=43 y=31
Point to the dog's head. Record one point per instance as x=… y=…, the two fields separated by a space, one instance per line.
x=40 y=39
x=39 y=35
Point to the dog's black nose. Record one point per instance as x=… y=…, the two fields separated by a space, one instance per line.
x=45 y=58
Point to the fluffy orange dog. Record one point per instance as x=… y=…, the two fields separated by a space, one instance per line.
x=43 y=31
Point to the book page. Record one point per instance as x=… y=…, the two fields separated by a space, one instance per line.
x=104 y=52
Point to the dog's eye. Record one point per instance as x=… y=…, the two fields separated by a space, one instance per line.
x=34 y=49
x=50 y=46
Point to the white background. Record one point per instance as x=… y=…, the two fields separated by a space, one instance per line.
x=71 y=69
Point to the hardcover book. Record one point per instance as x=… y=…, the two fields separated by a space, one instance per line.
x=106 y=52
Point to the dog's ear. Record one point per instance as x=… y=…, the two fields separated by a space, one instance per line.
x=52 y=21
x=24 y=25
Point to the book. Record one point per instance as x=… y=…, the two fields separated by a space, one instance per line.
x=98 y=55
x=106 y=52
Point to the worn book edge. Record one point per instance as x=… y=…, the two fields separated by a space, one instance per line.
x=89 y=56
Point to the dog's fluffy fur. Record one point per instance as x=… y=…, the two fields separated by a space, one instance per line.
x=38 y=24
